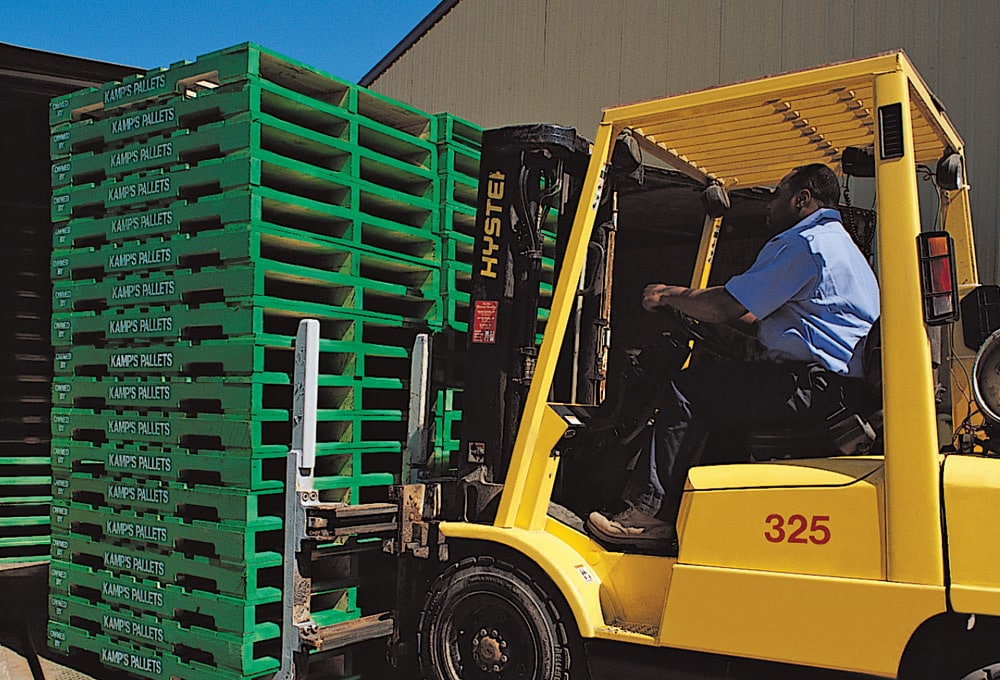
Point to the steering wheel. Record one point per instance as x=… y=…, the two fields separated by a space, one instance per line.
x=681 y=327
x=717 y=338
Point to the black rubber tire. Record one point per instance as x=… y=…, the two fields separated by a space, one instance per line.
x=987 y=672
x=949 y=651
x=482 y=594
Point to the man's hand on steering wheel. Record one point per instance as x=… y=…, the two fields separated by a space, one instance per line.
x=656 y=296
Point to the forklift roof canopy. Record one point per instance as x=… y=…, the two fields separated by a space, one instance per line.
x=753 y=133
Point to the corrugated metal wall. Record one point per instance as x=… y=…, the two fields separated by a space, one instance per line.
x=516 y=61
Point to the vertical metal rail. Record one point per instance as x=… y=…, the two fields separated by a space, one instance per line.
x=297 y=586
x=418 y=447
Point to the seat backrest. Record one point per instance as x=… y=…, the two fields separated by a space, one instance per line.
x=871 y=360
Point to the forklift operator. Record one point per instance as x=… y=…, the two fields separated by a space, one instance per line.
x=812 y=297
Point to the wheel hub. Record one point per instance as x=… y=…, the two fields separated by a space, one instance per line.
x=489 y=650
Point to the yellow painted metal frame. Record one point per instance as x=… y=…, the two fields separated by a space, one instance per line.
x=524 y=500
x=912 y=466
x=801 y=117
x=971 y=493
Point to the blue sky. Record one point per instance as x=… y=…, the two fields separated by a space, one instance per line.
x=343 y=37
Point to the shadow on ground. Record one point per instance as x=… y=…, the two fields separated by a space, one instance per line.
x=23 y=618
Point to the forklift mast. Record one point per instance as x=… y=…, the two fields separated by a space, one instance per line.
x=528 y=175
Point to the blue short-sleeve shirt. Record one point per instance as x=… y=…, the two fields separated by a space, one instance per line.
x=814 y=293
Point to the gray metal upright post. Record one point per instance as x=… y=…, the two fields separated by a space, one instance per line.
x=299 y=492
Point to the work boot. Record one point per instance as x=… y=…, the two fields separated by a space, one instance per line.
x=633 y=529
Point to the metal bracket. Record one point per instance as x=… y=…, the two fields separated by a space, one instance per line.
x=478 y=493
x=419 y=504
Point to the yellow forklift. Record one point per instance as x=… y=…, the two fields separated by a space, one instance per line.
x=862 y=551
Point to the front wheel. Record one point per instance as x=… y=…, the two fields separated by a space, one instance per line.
x=487 y=619
x=988 y=672
x=954 y=648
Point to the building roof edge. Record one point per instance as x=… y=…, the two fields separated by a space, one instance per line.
x=407 y=42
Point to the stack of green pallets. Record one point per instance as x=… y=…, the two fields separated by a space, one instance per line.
x=458 y=146
x=458 y=149
x=199 y=213
x=25 y=372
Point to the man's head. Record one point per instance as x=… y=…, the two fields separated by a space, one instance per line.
x=802 y=192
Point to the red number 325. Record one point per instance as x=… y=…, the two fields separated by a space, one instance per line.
x=797 y=529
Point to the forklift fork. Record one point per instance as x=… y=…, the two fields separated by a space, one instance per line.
x=310 y=522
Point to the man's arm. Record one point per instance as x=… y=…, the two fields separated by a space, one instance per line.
x=713 y=305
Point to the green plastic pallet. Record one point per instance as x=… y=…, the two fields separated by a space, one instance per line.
x=182 y=147
x=216 y=648
x=295 y=283
x=212 y=432
x=339 y=466
x=209 y=71
x=243 y=134
x=205 y=213
x=238 y=356
x=253 y=205
x=457 y=218
x=243 y=396
x=172 y=115
x=461 y=160
x=261 y=469
x=228 y=541
x=137 y=192
x=263 y=168
x=135 y=660
x=241 y=244
x=450 y=129
x=354 y=344
x=199 y=573
x=141 y=325
x=167 y=498
x=211 y=610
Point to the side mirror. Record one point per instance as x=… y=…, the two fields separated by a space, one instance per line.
x=715 y=200
x=950 y=173
x=938 y=283
x=858 y=161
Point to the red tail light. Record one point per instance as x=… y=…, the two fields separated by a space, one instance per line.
x=938 y=283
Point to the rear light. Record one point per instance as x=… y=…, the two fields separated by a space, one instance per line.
x=938 y=283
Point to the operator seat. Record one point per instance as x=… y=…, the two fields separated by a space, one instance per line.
x=856 y=429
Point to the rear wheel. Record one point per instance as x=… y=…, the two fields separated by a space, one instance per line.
x=487 y=619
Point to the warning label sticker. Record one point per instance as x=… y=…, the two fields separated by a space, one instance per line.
x=484 y=322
